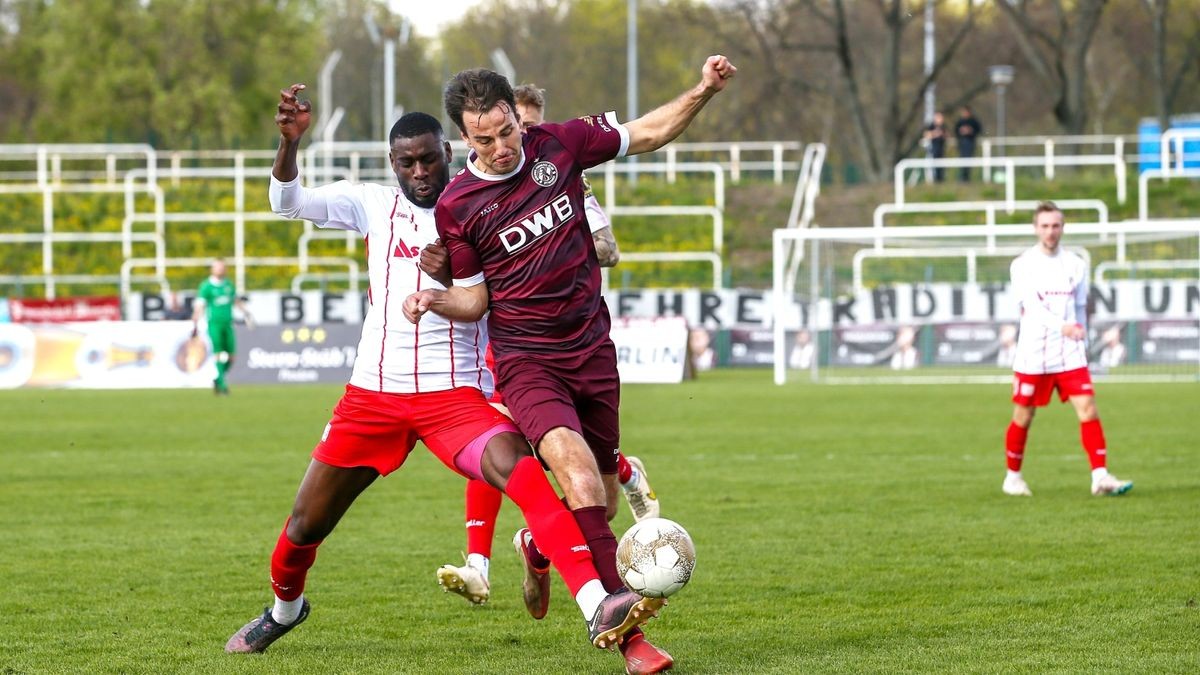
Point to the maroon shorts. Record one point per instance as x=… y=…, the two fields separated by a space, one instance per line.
x=379 y=430
x=1035 y=390
x=584 y=397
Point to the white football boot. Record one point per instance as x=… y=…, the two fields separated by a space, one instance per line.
x=642 y=500
x=465 y=581
x=1111 y=486
x=1015 y=486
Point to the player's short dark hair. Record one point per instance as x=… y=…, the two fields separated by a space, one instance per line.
x=1045 y=206
x=530 y=95
x=414 y=124
x=476 y=90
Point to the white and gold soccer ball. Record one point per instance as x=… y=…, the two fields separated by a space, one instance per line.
x=655 y=557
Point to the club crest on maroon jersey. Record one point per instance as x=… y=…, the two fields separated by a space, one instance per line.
x=544 y=173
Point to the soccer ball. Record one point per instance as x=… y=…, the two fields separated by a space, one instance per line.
x=655 y=557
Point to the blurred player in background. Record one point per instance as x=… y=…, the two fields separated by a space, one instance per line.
x=216 y=299
x=408 y=385
x=1052 y=288
x=513 y=224
x=482 y=500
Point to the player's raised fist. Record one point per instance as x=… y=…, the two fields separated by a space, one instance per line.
x=717 y=72
x=294 y=115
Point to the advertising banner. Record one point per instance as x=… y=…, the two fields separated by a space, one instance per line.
x=651 y=350
x=285 y=354
x=912 y=304
x=64 y=310
x=104 y=355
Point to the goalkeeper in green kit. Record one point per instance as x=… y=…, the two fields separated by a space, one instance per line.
x=218 y=296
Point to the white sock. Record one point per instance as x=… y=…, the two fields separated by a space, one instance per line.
x=589 y=598
x=631 y=484
x=1099 y=474
x=1013 y=474
x=479 y=562
x=287 y=611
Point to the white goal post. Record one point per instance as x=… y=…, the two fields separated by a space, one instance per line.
x=932 y=304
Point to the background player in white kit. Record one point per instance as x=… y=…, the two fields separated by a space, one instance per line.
x=1052 y=287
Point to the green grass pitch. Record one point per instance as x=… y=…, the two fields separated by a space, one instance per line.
x=838 y=529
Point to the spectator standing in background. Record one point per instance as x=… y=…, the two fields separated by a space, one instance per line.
x=966 y=130
x=935 y=143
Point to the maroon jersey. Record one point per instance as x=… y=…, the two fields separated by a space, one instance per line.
x=526 y=234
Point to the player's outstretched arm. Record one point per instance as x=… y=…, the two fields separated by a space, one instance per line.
x=663 y=124
x=292 y=117
x=457 y=303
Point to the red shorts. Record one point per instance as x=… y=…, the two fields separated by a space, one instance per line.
x=1035 y=390
x=379 y=430
x=585 y=397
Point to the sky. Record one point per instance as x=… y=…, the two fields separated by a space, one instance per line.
x=428 y=16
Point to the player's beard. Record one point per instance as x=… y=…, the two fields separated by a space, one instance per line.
x=428 y=200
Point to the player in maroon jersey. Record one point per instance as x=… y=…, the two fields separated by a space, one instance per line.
x=513 y=221
x=471 y=579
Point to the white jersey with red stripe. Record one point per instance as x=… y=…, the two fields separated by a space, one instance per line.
x=1052 y=291
x=394 y=356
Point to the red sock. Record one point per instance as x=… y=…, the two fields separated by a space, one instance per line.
x=1014 y=445
x=593 y=521
x=624 y=471
x=1092 y=435
x=551 y=523
x=483 y=504
x=289 y=566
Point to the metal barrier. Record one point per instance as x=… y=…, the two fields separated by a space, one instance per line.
x=1009 y=165
x=715 y=212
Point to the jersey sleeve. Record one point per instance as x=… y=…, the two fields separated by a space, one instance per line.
x=1081 y=295
x=465 y=265
x=596 y=217
x=337 y=206
x=592 y=139
x=203 y=295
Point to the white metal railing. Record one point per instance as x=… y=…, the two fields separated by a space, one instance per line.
x=1173 y=140
x=1009 y=164
x=1101 y=272
x=736 y=162
x=1163 y=174
x=716 y=212
x=989 y=209
x=49 y=159
x=969 y=254
x=127 y=277
x=804 y=200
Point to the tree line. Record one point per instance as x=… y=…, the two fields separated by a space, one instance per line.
x=205 y=73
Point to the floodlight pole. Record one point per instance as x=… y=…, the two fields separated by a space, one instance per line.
x=931 y=88
x=1001 y=77
x=631 y=72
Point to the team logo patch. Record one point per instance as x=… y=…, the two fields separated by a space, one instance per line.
x=544 y=173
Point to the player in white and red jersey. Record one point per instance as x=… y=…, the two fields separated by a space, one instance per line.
x=409 y=383
x=1051 y=285
x=471 y=579
x=515 y=219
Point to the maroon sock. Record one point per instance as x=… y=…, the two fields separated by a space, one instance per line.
x=593 y=520
x=289 y=566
